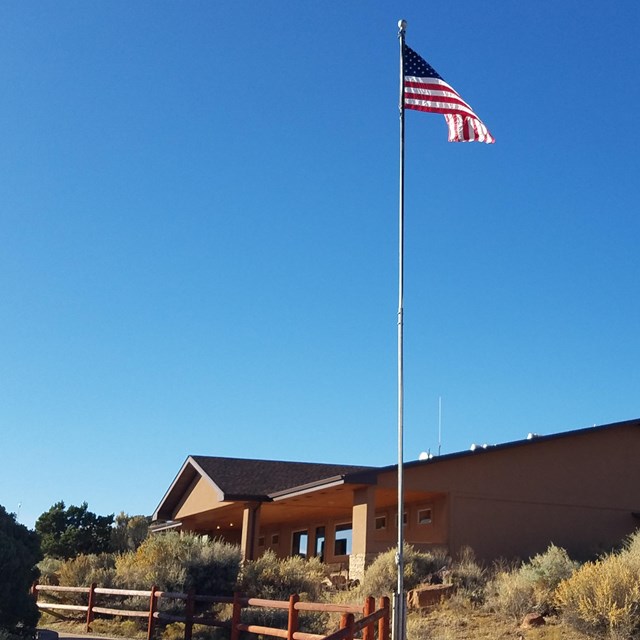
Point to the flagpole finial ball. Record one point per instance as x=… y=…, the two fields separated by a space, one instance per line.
x=402 y=24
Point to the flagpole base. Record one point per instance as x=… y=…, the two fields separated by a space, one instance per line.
x=399 y=616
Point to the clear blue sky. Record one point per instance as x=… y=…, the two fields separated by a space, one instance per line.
x=198 y=235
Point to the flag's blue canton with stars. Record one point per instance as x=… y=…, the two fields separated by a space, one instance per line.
x=425 y=90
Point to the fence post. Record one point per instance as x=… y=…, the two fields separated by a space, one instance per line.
x=90 y=605
x=369 y=608
x=34 y=591
x=235 y=616
x=347 y=621
x=188 y=614
x=153 y=607
x=292 y=620
x=383 y=623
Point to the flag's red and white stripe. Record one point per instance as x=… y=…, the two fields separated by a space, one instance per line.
x=436 y=96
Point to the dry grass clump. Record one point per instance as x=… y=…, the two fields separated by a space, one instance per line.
x=460 y=619
x=510 y=594
x=468 y=576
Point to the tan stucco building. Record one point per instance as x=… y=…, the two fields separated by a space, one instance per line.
x=578 y=489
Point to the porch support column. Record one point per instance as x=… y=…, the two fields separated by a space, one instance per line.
x=250 y=529
x=363 y=523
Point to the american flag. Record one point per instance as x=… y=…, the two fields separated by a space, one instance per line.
x=425 y=90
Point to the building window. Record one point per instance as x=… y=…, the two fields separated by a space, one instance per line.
x=261 y=541
x=275 y=539
x=425 y=516
x=404 y=519
x=343 y=539
x=320 y=539
x=299 y=543
x=381 y=523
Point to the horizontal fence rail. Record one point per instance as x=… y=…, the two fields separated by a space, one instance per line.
x=371 y=619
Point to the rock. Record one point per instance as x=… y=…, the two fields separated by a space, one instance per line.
x=532 y=620
x=428 y=595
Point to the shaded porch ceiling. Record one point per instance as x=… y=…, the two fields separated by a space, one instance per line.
x=326 y=504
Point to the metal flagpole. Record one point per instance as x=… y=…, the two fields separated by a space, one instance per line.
x=399 y=599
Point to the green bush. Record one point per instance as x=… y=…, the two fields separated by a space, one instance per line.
x=545 y=572
x=19 y=553
x=50 y=570
x=276 y=578
x=84 y=570
x=129 y=532
x=530 y=587
x=175 y=562
x=380 y=578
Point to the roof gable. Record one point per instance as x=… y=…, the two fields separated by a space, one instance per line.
x=244 y=479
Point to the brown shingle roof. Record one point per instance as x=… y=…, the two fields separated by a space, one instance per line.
x=241 y=478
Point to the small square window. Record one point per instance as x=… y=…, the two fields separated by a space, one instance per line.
x=381 y=523
x=424 y=516
x=275 y=538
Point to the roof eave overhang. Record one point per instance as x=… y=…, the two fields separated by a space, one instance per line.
x=165 y=526
x=245 y=497
x=307 y=488
x=325 y=483
x=486 y=450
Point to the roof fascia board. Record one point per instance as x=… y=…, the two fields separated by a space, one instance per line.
x=188 y=462
x=538 y=439
x=246 y=497
x=208 y=478
x=166 y=526
x=170 y=489
x=307 y=488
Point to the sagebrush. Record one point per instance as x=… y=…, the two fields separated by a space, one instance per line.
x=530 y=587
x=603 y=597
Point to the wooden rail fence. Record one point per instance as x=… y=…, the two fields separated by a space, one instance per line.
x=371 y=618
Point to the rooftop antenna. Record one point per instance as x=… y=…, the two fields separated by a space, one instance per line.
x=439 y=424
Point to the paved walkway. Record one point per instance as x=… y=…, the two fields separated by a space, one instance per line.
x=49 y=634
